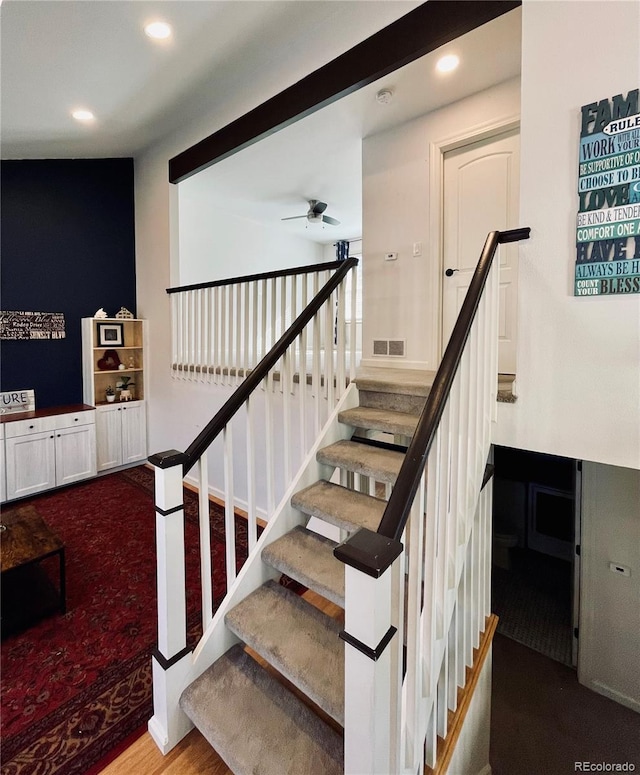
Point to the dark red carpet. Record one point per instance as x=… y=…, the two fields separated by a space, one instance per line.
x=75 y=686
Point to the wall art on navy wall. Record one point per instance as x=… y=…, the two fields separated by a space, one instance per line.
x=68 y=245
x=31 y=325
x=608 y=228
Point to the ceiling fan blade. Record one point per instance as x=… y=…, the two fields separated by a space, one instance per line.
x=329 y=219
x=293 y=218
x=316 y=206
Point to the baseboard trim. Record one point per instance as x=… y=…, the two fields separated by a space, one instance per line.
x=612 y=694
x=447 y=747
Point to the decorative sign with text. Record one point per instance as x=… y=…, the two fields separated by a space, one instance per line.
x=608 y=229
x=32 y=325
x=17 y=401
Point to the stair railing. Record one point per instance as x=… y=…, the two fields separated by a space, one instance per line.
x=221 y=330
x=417 y=591
x=303 y=376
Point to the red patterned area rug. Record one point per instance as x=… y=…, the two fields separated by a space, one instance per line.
x=75 y=686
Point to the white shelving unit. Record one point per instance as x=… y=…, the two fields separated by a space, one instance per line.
x=121 y=426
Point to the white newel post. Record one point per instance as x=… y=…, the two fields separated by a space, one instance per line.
x=373 y=654
x=171 y=659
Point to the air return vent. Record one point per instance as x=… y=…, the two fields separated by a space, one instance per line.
x=392 y=347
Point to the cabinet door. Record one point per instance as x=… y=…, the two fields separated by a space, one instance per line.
x=109 y=437
x=75 y=454
x=134 y=432
x=31 y=464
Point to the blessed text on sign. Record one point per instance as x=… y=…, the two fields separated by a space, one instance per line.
x=608 y=223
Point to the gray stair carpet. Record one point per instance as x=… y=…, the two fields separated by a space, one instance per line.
x=347 y=509
x=300 y=641
x=382 y=464
x=256 y=725
x=385 y=420
x=415 y=382
x=308 y=558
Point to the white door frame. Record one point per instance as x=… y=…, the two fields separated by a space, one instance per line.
x=437 y=150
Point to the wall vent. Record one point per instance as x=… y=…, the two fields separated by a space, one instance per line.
x=380 y=347
x=392 y=347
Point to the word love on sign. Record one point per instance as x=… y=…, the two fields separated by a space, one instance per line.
x=608 y=225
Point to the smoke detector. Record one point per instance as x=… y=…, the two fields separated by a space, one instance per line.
x=384 y=96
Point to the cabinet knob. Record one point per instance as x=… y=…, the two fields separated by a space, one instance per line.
x=76 y=419
x=58 y=435
x=31 y=427
x=50 y=437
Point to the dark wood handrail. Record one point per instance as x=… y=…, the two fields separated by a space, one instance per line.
x=227 y=411
x=398 y=508
x=250 y=278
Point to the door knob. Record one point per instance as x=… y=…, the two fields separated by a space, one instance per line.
x=449 y=272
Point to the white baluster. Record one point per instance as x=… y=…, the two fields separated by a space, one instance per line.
x=286 y=416
x=341 y=342
x=248 y=287
x=223 y=333
x=354 y=324
x=237 y=360
x=229 y=506
x=205 y=542
x=175 y=323
x=251 y=477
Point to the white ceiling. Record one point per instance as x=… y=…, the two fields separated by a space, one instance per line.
x=60 y=54
x=320 y=157
x=57 y=55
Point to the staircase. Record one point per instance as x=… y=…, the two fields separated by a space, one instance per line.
x=397 y=470
x=251 y=718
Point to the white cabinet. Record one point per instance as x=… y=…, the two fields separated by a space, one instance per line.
x=50 y=451
x=121 y=426
x=121 y=434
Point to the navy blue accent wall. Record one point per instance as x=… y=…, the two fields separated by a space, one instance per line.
x=68 y=245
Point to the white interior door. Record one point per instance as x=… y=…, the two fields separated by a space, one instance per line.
x=481 y=194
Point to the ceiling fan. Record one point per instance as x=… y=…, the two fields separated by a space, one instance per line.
x=315 y=214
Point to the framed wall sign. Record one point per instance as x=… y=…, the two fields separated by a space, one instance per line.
x=608 y=225
x=110 y=335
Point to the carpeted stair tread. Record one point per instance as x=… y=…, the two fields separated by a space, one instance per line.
x=296 y=638
x=347 y=509
x=386 y=420
x=256 y=725
x=308 y=558
x=415 y=382
x=382 y=464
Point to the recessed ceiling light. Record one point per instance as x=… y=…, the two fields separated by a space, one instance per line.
x=447 y=63
x=158 y=30
x=82 y=115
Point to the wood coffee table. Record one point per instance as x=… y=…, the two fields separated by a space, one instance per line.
x=25 y=539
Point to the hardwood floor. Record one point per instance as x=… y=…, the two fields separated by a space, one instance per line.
x=193 y=755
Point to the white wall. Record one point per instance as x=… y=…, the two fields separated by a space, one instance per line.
x=178 y=410
x=609 y=651
x=578 y=380
x=402 y=297
x=215 y=244
x=578 y=372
